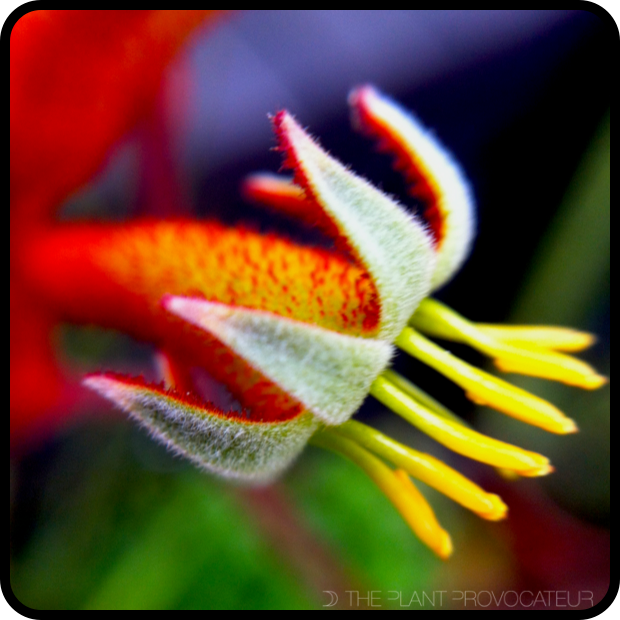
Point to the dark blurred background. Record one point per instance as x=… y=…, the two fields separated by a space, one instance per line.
x=103 y=518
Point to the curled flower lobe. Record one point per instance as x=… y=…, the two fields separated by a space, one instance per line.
x=229 y=444
x=434 y=177
x=390 y=244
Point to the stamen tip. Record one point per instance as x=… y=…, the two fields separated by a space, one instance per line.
x=595 y=381
x=543 y=470
x=444 y=548
x=540 y=467
x=497 y=509
x=570 y=427
x=587 y=340
x=561 y=426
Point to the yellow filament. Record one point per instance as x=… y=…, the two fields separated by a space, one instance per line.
x=430 y=403
x=422 y=518
x=428 y=469
x=457 y=437
x=483 y=388
x=421 y=396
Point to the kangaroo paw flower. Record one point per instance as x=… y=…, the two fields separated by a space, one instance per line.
x=301 y=335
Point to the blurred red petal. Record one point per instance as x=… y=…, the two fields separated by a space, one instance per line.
x=80 y=80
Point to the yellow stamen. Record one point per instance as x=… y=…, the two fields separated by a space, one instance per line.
x=397 y=487
x=556 y=338
x=428 y=469
x=554 y=366
x=429 y=402
x=436 y=319
x=422 y=519
x=483 y=388
x=458 y=437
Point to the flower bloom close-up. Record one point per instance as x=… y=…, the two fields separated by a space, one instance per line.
x=292 y=336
